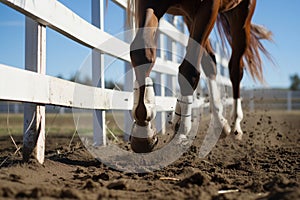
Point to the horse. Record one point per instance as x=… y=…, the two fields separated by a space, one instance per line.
x=233 y=20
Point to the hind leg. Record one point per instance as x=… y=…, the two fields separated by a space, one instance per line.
x=208 y=63
x=200 y=25
x=240 y=33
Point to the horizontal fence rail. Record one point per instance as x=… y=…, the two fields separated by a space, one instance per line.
x=27 y=86
x=263 y=99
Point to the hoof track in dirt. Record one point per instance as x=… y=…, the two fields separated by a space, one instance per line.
x=264 y=165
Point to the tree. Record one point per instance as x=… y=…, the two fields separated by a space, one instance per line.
x=295 y=82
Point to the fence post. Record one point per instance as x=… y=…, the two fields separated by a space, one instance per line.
x=99 y=125
x=128 y=86
x=289 y=100
x=128 y=80
x=34 y=115
x=160 y=91
x=171 y=80
x=251 y=103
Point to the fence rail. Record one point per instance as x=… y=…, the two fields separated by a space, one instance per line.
x=263 y=99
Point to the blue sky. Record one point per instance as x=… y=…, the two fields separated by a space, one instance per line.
x=65 y=57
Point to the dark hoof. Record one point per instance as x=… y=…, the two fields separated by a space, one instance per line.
x=143 y=145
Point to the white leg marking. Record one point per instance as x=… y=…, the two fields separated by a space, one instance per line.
x=182 y=123
x=220 y=123
x=237 y=116
x=149 y=101
x=142 y=131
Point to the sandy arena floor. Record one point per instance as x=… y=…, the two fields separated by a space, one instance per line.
x=265 y=165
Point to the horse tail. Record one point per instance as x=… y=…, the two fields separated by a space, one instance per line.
x=255 y=46
x=133 y=13
x=252 y=55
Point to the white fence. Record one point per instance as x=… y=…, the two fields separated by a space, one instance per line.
x=275 y=99
x=37 y=89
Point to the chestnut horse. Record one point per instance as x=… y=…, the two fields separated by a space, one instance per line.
x=233 y=18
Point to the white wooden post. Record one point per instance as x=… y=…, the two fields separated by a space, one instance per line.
x=171 y=80
x=99 y=125
x=289 y=100
x=162 y=46
x=171 y=85
x=251 y=103
x=171 y=91
x=34 y=115
x=128 y=86
x=129 y=78
x=160 y=91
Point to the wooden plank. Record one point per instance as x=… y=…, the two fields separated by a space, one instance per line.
x=160 y=116
x=169 y=30
x=34 y=115
x=122 y=3
x=129 y=80
x=25 y=86
x=60 y=18
x=20 y=85
x=289 y=100
x=166 y=67
x=99 y=125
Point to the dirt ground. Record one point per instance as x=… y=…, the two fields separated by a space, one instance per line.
x=265 y=165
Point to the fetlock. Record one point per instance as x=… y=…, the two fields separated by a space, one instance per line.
x=149 y=100
x=237 y=112
x=237 y=117
x=217 y=109
x=182 y=123
x=143 y=137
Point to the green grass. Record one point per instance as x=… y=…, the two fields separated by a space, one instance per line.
x=59 y=124
x=13 y=123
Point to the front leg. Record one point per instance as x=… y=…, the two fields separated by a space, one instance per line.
x=143 y=135
x=208 y=62
x=143 y=55
x=220 y=125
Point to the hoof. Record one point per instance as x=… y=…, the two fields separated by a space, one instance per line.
x=237 y=135
x=182 y=140
x=226 y=130
x=143 y=145
x=237 y=132
x=143 y=138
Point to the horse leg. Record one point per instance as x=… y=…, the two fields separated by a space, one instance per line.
x=143 y=55
x=208 y=63
x=200 y=26
x=240 y=34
